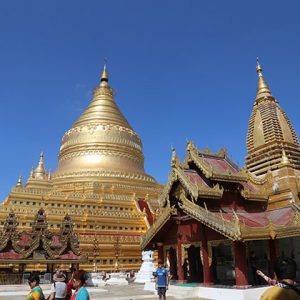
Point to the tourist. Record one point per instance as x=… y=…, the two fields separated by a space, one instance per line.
x=186 y=269
x=70 y=287
x=285 y=289
x=161 y=280
x=79 y=279
x=59 y=287
x=269 y=280
x=253 y=261
x=36 y=292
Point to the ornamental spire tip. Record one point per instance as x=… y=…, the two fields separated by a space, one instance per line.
x=104 y=76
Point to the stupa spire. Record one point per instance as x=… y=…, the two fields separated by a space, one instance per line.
x=40 y=171
x=104 y=76
x=19 y=183
x=263 y=89
x=271 y=139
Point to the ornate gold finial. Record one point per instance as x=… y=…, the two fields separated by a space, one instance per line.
x=285 y=159
x=263 y=90
x=173 y=158
x=104 y=76
x=19 y=183
x=31 y=172
x=42 y=157
x=258 y=67
x=40 y=171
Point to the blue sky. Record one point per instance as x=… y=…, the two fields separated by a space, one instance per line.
x=181 y=70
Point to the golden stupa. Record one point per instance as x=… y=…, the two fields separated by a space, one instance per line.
x=99 y=182
x=271 y=137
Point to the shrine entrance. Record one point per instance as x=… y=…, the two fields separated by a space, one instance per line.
x=221 y=253
x=172 y=261
x=192 y=265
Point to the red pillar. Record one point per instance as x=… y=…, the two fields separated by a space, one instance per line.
x=240 y=264
x=207 y=274
x=273 y=256
x=179 y=258
x=160 y=251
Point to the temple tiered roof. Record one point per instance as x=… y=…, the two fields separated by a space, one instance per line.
x=211 y=189
x=39 y=244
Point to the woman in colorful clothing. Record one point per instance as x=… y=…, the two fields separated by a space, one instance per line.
x=79 y=279
x=36 y=292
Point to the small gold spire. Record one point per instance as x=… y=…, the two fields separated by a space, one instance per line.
x=31 y=172
x=104 y=76
x=262 y=86
x=19 y=183
x=285 y=159
x=40 y=171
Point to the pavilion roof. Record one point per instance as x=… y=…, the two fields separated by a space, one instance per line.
x=39 y=243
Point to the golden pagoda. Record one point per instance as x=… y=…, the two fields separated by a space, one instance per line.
x=270 y=133
x=100 y=182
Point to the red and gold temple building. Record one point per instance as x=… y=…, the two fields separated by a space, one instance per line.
x=217 y=221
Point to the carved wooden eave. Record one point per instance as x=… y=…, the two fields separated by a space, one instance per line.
x=164 y=196
x=257 y=196
x=264 y=180
x=273 y=231
x=157 y=225
x=195 y=156
x=192 y=189
x=196 y=191
x=228 y=228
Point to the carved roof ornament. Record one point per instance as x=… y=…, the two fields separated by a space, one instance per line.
x=26 y=245
x=40 y=224
x=285 y=160
x=173 y=158
x=11 y=223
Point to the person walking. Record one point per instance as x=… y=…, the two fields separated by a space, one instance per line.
x=59 y=287
x=285 y=289
x=79 y=279
x=36 y=292
x=161 y=280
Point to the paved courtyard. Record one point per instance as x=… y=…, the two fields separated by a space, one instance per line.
x=130 y=292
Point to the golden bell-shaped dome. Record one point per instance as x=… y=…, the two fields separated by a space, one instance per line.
x=101 y=142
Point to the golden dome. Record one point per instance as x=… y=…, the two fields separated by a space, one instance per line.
x=270 y=132
x=101 y=142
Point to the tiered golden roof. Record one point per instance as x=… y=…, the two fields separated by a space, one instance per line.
x=269 y=133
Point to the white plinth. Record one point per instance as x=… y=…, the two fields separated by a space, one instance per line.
x=96 y=279
x=117 y=279
x=145 y=274
x=181 y=292
x=229 y=294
